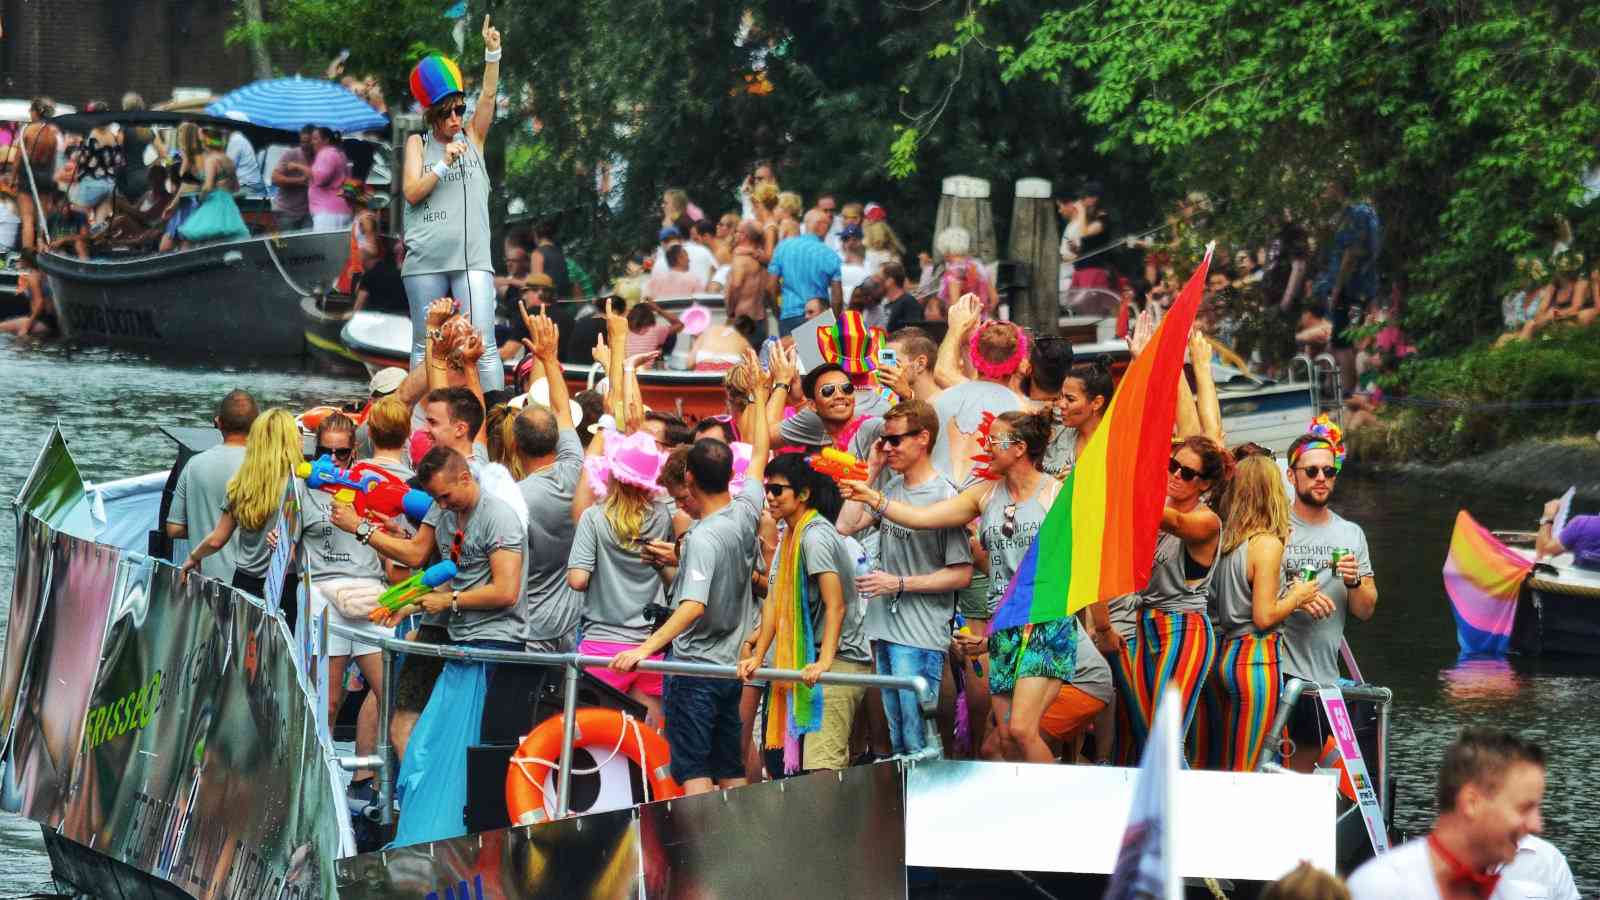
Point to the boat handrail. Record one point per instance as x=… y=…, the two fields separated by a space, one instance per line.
x=1382 y=697
x=571 y=664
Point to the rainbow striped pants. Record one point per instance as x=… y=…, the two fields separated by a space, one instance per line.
x=1169 y=650
x=1240 y=699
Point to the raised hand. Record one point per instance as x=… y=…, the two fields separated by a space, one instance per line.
x=440 y=310
x=601 y=352
x=964 y=314
x=1144 y=328
x=491 y=36
x=544 y=335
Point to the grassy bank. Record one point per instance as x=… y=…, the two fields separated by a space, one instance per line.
x=1486 y=398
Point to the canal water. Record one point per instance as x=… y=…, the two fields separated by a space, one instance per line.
x=109 y=403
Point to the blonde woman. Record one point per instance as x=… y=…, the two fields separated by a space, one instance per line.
x=882 y=245
x=607 y=565
x=1248 y=606
x=790 y=207
x=675 y=211
x=255 y=500
x=764 y=203
x=190 y=174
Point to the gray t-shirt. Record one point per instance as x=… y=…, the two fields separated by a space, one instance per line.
x=552 y=606
x=965 y=404
x=823 y=550
x=1310 y=647
x=719 y=553
x=253 y=555
x=198 y=501
x=1062 y=451
x=805 y=427
x=621 y=583
x=333 y=552
x=448 y=230
x=491 y=526
x=1092 y=674
x=917 y=620
x=1006 y=553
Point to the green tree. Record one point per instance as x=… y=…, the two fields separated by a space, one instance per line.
x=1469 y=125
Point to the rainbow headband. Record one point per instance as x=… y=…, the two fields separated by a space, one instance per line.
x=851 y=344
x=434 y=79
x=1005 y=367
x=1326 y=435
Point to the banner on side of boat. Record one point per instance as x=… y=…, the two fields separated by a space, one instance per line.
x=162 y=724
x=1344 y=734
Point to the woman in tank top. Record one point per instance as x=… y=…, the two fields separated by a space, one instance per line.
x=1174 y=645
x=1085 y=396
x=446 y=187
x=1027 y=665
x=1248 y=604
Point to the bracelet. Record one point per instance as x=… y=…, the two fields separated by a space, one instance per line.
x=493 y=56
x=435 y=334
x=902 y=588
x=883 y=505
x=455 y=597
x=440 y=170
x=1547 y=521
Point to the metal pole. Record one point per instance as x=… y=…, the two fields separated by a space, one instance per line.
x=928 y=700
x=386 y=773
x=569 y=731
x=1383 y=758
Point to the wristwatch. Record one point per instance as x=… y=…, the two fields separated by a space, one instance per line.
x=1352 y=585
x=435 y=334
x=455 y=603
x=364 y=530
x=784 y=386
x=1548 y=520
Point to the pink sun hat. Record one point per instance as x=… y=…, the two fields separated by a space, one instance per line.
x=696 y=319
x=633 y=459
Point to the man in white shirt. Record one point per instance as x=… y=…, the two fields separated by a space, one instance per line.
x=246 y=164
x=1490 y=794
x=1539 y=862
x=702 y=262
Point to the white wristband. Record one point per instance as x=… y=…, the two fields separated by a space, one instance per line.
x=440 y=170
x=491 y=56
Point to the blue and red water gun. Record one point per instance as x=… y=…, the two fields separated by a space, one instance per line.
x=372 y=490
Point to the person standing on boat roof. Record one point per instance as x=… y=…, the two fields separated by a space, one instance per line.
x=290 y=179
x=446 y=187
x=202 y=489
x=1491 y=795
x=1310 y=646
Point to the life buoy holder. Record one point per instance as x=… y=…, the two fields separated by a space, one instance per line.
x=601 y=731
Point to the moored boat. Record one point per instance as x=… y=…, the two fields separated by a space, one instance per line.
x=1558 y=610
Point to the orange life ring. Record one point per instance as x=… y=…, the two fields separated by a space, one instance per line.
x=600 y=731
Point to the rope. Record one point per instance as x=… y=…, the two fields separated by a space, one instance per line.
x=1430 y=403
x=268 y=242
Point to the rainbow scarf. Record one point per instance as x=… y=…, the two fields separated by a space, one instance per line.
x=1483 y=579
x=435 y=78
x=851 y=344
x=1099 y=539
x=793 y=707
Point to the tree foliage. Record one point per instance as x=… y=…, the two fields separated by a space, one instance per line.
x=1470 y=125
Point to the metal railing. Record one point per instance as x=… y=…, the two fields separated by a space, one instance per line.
x=1294 y=688
x=572 y=663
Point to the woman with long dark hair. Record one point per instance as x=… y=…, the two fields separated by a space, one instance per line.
x=446 y=187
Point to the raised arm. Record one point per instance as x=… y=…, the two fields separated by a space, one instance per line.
x=543 y=341
x=483 y=116
x=963 y=317
x=760 y=438
x=1197 y=526
x=955 y=512
x=1205 y=391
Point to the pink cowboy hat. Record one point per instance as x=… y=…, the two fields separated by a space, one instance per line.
x=633 y=459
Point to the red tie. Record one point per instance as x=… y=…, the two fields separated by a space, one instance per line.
x=1480 y=883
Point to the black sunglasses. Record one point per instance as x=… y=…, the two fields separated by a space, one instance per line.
x=828 y=390
x=1181 y=470
x=893 y=440
x=1328 y=472
x=341 y=453
x=776 y=490
x=459 y=111
x=1008 y=527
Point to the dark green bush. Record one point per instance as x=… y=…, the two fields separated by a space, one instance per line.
x=1488 y=397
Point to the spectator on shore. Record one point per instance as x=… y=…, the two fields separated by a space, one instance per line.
x=1349 y=278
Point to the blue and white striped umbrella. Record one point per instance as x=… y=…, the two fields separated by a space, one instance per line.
x=292 y=103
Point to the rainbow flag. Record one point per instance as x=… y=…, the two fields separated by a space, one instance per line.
x=1482 y=577
x=1099 y=539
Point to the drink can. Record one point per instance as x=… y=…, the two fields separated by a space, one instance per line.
x=1308 y=573
x=1338 y=554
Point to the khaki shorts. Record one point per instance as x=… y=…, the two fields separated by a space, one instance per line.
x=829 y=746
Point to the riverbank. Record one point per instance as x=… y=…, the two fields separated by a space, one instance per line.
x=1540 y=468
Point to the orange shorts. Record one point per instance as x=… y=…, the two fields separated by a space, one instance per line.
x=1071 y=712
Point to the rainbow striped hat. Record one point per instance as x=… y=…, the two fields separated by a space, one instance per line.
x=851 y=344
x=434 y=79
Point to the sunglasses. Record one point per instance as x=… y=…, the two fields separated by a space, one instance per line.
x=893 y=440
x=1001 y=443
x=459 y=111
x=1328 y=472
x=455 y=545
x=1182 y=471
x=341 y=453
x=776 y=490
x=1008 y=526
x=828 y=390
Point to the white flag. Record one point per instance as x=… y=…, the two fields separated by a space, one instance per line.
x=1146 y=863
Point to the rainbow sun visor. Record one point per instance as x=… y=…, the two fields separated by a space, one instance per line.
x=434 y=79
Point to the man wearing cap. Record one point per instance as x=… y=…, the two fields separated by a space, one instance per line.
x=806 y=268
x=701 y=261
x=383 y=383
x=528 y=293
x=853 y=260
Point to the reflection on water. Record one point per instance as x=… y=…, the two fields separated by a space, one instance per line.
x=109 y=403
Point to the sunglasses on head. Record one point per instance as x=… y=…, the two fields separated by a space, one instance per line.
x=1328 y=472
x=1182 y=471
x=340 y=453
x=843 y=387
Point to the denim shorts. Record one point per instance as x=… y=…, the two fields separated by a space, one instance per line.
x=703 y=727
